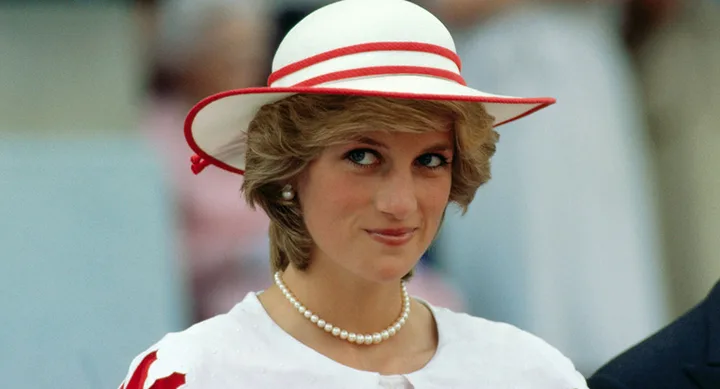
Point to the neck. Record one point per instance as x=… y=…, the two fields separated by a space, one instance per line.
x=346 y=300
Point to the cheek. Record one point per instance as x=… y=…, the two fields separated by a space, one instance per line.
x=332 y=206
x=433 y=200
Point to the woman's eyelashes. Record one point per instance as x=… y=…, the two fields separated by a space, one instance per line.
x=432 y=161
x=367 y=158
x=363 y=157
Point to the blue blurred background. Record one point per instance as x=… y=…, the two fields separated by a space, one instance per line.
x=601 y=223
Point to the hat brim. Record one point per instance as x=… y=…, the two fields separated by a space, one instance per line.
x=217 y=120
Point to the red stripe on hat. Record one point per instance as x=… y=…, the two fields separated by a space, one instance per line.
x=364 y=48
x=381 y=70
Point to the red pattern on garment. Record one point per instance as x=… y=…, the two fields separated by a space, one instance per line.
x=139 y=376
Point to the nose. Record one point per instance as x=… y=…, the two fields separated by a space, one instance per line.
x=396 y=195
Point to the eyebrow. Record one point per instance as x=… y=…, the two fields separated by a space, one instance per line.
x=443 y=146
x=439 y=147
x=371 y=142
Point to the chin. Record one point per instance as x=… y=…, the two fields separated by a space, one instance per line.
x=391 y=268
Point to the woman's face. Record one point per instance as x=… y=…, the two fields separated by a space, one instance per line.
x=373 y=206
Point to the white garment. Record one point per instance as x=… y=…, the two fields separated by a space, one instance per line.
x=246 y=349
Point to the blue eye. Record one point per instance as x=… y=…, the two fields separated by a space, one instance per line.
x=432 y=161
x=362 y=157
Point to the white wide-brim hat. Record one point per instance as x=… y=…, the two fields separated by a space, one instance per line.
x=385 y=48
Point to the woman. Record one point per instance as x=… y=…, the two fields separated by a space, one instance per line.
x=364 y=136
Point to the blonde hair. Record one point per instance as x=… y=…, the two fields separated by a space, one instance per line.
x=285 y=136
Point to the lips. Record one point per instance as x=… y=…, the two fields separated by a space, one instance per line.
x=392 y=231
x=392 y=236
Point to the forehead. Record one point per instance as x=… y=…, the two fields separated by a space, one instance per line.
x=390 y=123
x=382 y=130
x=405 y=139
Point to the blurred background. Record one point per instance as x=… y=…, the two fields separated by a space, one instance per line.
x=601 y=224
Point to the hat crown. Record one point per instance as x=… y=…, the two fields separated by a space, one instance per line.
x=354 y=22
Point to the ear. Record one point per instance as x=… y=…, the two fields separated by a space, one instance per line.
x=299 y=182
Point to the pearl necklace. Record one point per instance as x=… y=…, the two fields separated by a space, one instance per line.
x=337 y=332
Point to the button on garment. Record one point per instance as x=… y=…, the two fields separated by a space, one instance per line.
x=395 y=382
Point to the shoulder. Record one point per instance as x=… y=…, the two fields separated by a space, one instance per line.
x=511 y=351
x=192 y=356
x=497 y=336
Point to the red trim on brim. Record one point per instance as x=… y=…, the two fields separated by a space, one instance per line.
x=208 y=159
x=382 y=71
x=539 y=107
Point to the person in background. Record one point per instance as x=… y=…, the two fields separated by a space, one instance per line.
x=564 y=240
x=677 y=52
x=203 y=47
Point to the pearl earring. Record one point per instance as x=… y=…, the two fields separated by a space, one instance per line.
x=288 y=193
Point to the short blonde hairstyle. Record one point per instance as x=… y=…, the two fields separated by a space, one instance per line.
x=285 y=136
